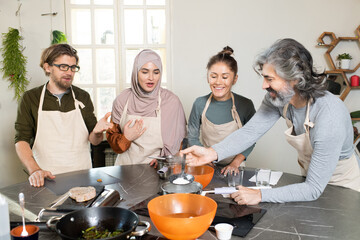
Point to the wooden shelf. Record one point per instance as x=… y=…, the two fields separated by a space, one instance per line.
x=334 y=41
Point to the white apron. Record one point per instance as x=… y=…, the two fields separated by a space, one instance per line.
x=61 y=142
x=211 y=133
x=148 y=144
x=346 y=173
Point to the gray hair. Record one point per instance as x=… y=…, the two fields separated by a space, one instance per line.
x=292 y=61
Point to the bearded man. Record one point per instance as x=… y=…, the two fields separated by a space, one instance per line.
x=55 y=122
x=319 y=128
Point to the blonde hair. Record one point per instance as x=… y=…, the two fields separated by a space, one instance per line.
x=50 y=54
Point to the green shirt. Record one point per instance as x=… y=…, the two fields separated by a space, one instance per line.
x=27 y=114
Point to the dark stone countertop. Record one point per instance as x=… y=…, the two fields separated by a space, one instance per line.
x=335 y=215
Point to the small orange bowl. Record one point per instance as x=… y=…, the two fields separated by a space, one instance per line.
x=182 y=215
x=202 y=174
x=31 y=229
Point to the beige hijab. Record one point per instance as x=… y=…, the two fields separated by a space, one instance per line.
x=143 y=104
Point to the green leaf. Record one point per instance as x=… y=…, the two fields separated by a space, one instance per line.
x=58 y=37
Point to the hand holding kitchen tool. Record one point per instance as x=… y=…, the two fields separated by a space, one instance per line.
x=246 y=196
x=196 y=155
x=22 y=205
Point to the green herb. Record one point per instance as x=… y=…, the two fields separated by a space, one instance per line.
x=58 y=37
x=99 y=233
x=344 y=56
x=14 y=62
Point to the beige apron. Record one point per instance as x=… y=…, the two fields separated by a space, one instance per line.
x=148 y=144
x=346 y=173
x=211 y=133
x=61 y=142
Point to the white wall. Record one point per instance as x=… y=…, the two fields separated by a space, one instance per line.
x=36 y=30
x=200 y=28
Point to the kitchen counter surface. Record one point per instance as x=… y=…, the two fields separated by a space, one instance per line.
x=335 y=215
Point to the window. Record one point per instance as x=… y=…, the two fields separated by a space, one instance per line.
x=108 y=34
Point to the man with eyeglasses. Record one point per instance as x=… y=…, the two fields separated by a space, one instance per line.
x=56 y=121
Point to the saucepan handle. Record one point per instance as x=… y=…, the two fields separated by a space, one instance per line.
x=52 y=222
x=143 y=231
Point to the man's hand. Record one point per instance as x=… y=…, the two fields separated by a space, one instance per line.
x=36 y=179
x=103 y=124
x=135 y=131
x=197 y=156
x=246 y=196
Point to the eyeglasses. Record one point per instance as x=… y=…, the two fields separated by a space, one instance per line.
x=65 y=67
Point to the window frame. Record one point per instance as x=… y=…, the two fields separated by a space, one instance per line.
x=119 y=45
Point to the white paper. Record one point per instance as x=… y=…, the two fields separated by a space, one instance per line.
x=274 y=178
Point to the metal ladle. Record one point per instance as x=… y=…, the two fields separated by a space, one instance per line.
x=22 y=205
x=187 y=177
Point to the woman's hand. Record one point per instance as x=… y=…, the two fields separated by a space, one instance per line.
x=135 y=131
x=246 y=196
x=154 y=163
x=197 y=156
x=231 y=168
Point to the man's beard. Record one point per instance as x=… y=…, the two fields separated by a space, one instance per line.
x=62 y=84
x=281 y=97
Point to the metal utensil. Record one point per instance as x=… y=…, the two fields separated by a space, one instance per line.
x=187 y=178
x=22 y=205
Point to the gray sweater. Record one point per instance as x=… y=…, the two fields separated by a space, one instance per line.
x=331 y=139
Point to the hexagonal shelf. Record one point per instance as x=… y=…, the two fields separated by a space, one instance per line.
x=322 y=39
x=338 y=83
x=334 y=41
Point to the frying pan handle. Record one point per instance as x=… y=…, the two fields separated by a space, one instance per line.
x=143 y=231
x=52 y=222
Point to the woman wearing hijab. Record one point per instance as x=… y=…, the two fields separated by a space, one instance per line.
x=221 y=112
x=148 y=119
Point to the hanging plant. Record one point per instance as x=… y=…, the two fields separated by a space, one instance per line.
x=58 y=37
x=14 y=62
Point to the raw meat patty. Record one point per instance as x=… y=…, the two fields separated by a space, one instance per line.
x=82 y=194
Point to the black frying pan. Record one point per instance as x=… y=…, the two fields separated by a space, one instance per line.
x=71 y=225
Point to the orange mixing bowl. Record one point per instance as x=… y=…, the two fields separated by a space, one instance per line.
x=202 y=174
x=182 y=215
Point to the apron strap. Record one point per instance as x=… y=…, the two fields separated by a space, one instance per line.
x=234 y=113
x=206 y=106
x=42 y=97
x=288 y=121
x=307 y=123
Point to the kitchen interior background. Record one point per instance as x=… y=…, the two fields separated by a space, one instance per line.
x=198 y=30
